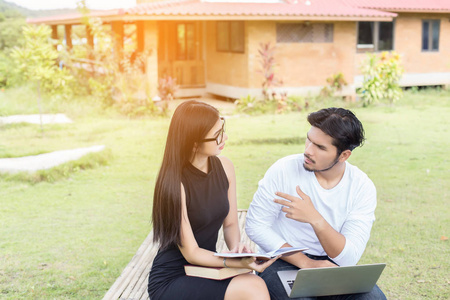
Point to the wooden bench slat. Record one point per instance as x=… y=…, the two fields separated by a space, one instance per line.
x=141 y=275
x=140 y=270
x=142 y=267
x=132 y=283
x=143 y=256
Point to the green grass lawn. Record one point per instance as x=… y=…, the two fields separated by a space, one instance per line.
x=71 y=238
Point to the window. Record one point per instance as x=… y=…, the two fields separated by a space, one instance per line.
x=430 y=35
x=304 y=33
x=230 y=36
x=375 y=36
x=186 y=41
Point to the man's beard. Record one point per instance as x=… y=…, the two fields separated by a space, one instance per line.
x=336 y=160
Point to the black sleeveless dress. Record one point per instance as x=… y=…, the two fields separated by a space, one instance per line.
x=207 y=206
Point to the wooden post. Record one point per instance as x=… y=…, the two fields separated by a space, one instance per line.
x=55 y=35
x=118 y=32
x=90 y=42
x=55 y=32
x=140 y=36
x=68 y=35
x=90 y=37
x=151 y=45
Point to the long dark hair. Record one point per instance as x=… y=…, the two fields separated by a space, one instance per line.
x=190 y=123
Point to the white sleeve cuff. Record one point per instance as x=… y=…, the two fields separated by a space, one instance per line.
x=346 y=257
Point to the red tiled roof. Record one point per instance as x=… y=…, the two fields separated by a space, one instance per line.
x=403 y=5
x=74 y=16
x=331 y=9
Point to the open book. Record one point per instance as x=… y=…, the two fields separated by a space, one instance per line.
x=214 y=273
x=261 y=256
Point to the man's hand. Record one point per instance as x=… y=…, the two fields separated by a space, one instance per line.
x=300 y=209
x=241 y=248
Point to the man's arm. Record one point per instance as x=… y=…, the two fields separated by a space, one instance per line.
x=358 y=225
x=347 y=246
x=302 y=261
x=263 y=212
x=302 y=210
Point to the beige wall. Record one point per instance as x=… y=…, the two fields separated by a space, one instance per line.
x=225 y=68
x=298 y=64
x=259 y=32
x=310 y=64
x=408 y=43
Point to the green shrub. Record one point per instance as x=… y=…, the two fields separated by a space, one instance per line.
x=246 y=104
x=11 y=24
x=7 y=70
x=116 y=79
x=336 y=83
x=381 y=78
x=253 y=105
x=11 y=32
x=36 y=61
x=167 y=88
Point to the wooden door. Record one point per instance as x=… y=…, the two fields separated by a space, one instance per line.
x=180 y=52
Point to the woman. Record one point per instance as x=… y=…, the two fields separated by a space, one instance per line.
x=195 y=194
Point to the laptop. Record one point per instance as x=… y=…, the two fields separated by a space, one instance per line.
x=330 y=281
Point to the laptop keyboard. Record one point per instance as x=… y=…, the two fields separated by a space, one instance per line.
x=290 y=283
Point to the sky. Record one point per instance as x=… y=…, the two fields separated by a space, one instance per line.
x=55 y=4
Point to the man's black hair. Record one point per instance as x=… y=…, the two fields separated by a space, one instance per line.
x=341 y=124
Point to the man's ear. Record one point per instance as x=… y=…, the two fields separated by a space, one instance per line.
x=345 y=155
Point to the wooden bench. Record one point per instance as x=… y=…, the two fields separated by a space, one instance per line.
x=132 y=283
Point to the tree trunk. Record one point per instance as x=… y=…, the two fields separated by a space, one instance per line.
x=40 y=106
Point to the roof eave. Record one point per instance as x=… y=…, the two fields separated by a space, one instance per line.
x=132 y=18
x=74 y=21
x=258 y=18
x=426 y=11
x=393 y=9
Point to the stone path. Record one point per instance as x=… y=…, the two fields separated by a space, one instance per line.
x=50 y=160
x=44 y=161
x=35 y=119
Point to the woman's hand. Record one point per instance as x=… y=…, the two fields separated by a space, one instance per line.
x=257 y=265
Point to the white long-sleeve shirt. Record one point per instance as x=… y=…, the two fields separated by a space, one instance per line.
x=348 y=207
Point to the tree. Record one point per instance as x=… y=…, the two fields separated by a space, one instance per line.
x=11 y=32
x=37 y=62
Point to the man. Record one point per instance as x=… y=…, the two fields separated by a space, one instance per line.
x=316 y=200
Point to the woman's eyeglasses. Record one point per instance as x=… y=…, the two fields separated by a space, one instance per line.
x=219 y=137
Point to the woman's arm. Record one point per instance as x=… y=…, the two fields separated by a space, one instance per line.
x=231 y=230
x=202 y=257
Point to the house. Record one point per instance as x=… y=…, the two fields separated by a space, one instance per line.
x=211 y=46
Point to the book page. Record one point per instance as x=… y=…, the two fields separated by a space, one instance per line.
x=281 y=251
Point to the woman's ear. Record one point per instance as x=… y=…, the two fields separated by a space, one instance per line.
x=194 y=151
